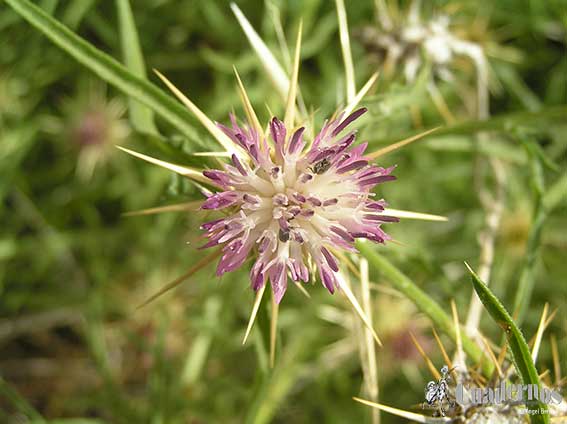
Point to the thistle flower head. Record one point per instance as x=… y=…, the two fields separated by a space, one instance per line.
x=412 y=42
x=294 y=202
x=94 y=124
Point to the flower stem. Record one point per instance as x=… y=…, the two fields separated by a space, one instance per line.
x=379 y=264
x=527 y=276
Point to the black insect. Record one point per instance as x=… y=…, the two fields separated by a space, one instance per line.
x=437 y=393
x=283 y=235
x=322 y=166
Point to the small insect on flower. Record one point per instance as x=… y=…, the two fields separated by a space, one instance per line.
x=294 y=207
x=321 y=167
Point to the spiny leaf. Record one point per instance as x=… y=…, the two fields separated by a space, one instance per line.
x=273 y=330
x=345 y=46
x=292 y=94
x=518 y=346
x=539 y=334
x=246 y=104
x=360 y=95
x=419 y=418
x=426 y=358
x=209 y=125
x=380 y=265
x=400 y=144
x=195 y=268
x=270 y=63
x=254 y=312
x=414 y=215
x=187 y=206
x=180 y=169
x=344 y=286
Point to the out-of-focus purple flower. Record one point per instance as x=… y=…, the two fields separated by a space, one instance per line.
x=294 y=203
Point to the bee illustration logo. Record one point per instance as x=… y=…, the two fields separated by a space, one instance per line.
x=437 y=392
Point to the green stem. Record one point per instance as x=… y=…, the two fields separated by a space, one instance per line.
x=20 y=403
x=527 y=276
x=141 y=116
x=502 y=122
x=379 y=264
x=517 y=343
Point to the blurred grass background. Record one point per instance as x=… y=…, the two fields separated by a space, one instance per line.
x=73 y=269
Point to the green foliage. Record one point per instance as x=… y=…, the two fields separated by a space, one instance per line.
x=107 y=68
x=141 y=116
x=518 y=346
x=74 y=349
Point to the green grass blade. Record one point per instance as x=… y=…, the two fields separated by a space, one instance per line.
x=556 y=194
x=518 y=346
x=527 y=277
x=199 y=352
x=49 y=5
x=107 y=68
x=273 y=388
x=503 y=122
x=441 y=320
x=19 y=402
x=75 y=12
x=141 y=116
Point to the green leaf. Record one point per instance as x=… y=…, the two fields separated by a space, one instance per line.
x=518 y=346
x=273 y=388
x=556 y=195
x=503 y=122
x=19 y=402
x=75 y=13
x=141 y=116
x=380 y=265
x=510 y=77
x=527 y=277
x=49 y=5
x=496 y=147
x=107 y=68
x=199 y=351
